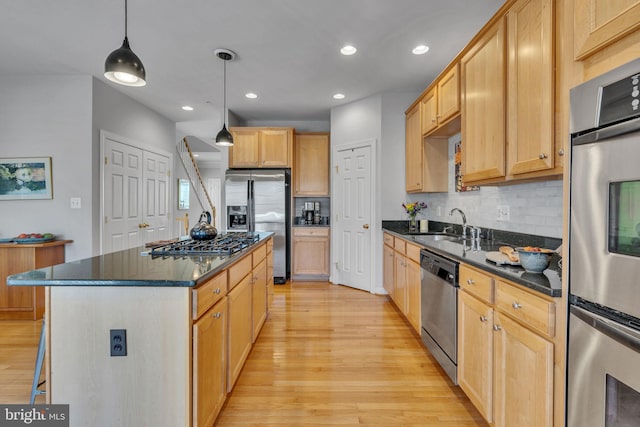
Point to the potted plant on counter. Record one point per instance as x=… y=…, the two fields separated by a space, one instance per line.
x=413 y=209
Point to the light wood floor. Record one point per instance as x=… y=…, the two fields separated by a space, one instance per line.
x=330 y=355
x=327 y=355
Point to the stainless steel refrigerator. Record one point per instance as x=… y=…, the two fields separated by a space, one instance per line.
x=259 y=200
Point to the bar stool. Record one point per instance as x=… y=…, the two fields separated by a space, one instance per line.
x=38 y=369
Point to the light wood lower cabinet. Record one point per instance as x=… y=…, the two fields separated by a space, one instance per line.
x=401 y=277
x=270 y=282
x=259 y=297
x=310 y=253
x=209 y=364
x=505 y=366
x=240 y=328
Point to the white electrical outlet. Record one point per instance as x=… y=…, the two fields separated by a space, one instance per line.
x=503 y=213
x=76 y=203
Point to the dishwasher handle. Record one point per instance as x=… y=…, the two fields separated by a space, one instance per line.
x=444 y=268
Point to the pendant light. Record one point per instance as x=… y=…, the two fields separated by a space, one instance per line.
x=224 y=137
x=122 y=65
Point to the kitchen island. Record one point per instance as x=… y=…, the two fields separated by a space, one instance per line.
x=189 y=322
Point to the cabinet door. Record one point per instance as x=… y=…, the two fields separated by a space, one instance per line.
x=530 y=128
x=413 y=151
x=413 y=294
x=240 y=328
x=270 y=283
x=259 y=297
x=523 y=376
x=310 y=255
x=448 y=95
x=483 y=107
x=475 y=352
x=429 y=111
x=311 y=165
x=400 y=288
x=275 y=146
x=245 y=150
x=209 y=367
x=598 y=23
x=387 y=270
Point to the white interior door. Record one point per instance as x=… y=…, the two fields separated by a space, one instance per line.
x=122 y=195
x=155 y=196
x=136 y=194
x=353 y=217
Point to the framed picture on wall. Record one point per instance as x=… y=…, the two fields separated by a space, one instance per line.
x=25 y=178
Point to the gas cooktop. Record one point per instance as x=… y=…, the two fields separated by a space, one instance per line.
x=222 y=244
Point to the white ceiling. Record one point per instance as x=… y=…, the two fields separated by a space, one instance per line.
x=287 y=50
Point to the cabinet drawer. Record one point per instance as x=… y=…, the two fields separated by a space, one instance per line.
x=399 y=245
x=388 y=239
x=476 y=283
x=239 y=270
x=535 y=312
x=311 y=231
x=259 y=254
x=413 y=252
x=207 y=294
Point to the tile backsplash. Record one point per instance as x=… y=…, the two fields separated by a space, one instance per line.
x=533 y=208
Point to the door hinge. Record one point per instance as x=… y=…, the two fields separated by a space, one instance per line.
x=169 y=173
x=106 y=219
x=106 y=161
x=337 y=171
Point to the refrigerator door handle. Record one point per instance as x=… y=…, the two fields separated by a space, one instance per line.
x=252 y=207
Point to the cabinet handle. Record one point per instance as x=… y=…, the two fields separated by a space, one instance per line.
x=516 y=305
x=217 y=315
x=542 y=156
x=470 y=281
x=561 y=152
x=483 y=318
x=433 y=120
x=217 y=291
x=497 y=327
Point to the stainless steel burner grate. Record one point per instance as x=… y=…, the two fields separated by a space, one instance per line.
x=223 y=244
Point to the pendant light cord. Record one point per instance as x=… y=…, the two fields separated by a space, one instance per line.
x=125 y=19
x=224 y=94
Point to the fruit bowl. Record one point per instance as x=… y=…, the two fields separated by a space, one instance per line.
x=533 y=259
x=34 y=238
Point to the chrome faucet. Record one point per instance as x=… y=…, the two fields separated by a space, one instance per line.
x=464 y=221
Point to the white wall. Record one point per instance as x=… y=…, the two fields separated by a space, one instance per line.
x=115 y=112
x=535 y=208
x=50 y=116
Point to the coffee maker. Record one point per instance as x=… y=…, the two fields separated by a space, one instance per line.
x=308 y=212
x=316 y=212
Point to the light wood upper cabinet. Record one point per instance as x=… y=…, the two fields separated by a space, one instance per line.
x=448 y=95
x=413 y=151
x=523 y=368
x=261 y=148
x=429 y=111
x=426 y=160
x=530 y=113
x=483 y=106
x=599 y=23
x=311 y=164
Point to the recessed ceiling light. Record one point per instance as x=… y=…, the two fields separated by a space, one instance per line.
x=348 y=50
x=187 y=108
x=420 y=49
x=251 y=95
x=338 y=96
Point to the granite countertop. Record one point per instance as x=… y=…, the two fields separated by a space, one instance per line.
x=132 y=267
x=549 y=282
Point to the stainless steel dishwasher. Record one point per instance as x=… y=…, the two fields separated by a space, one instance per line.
x=439 y=307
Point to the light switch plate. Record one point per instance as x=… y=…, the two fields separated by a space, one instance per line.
x=503 y=213
x=76 y=203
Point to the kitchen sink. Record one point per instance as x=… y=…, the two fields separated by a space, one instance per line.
x=445 y=237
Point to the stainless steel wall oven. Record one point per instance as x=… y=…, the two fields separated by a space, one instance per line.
x=603 y=364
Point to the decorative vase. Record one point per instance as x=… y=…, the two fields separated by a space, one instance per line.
x=413 y=224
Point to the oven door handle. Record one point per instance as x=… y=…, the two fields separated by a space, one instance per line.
x=614 y=330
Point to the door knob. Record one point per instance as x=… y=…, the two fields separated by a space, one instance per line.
x=366 y=226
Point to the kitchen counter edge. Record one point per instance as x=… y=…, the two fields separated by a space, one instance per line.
x=549 y=286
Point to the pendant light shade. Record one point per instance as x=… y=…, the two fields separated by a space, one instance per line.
x=224 y=137
x=122 y=66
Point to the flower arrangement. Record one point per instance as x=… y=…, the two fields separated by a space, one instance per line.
x=414 y=209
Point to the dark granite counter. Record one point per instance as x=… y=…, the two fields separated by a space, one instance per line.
x=132 y=267
x=549 y=282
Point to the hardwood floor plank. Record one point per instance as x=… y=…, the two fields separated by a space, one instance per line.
x=331 y=355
